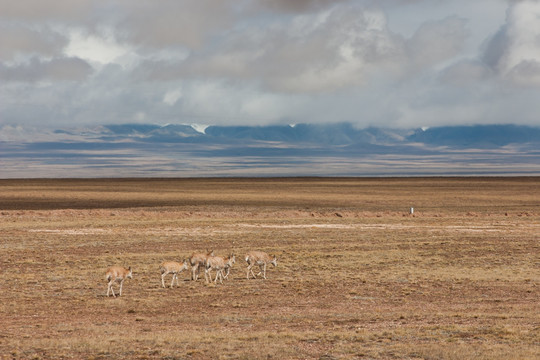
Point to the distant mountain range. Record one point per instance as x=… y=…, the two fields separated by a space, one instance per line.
x=334 y=134
x=303 y=149
x=479 y=136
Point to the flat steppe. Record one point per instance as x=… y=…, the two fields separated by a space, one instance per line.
x=358 y=276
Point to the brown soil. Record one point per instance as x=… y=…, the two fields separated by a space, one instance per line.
x=358 y=276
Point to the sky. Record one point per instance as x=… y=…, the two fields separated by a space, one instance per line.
x=385 y=63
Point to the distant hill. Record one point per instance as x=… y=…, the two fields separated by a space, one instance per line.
x=480 y=136
x=335 y=134
x=340 y=134
x=323 y=134
x=131 y=129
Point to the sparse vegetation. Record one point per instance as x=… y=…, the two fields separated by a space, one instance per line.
x=458 y=279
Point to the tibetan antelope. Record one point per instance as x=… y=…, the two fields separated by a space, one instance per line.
x=174 y=268
x=219 y=264
x=259 y=258
x=117 y=274
x=197 y=261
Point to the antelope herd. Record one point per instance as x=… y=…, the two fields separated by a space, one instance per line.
x=208 y=261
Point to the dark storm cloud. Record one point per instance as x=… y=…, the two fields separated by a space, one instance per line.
x=38 y=11
x=437 y=41
x=304 y=56
x=467 y=73
x=496 y=47
x=298 y=5
x=17 y=39
x=174 y=23
x=527 y=72
x=60 y=69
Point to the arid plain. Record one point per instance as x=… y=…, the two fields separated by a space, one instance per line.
x=358 y=276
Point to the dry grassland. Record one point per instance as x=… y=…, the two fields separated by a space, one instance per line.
x=357 y=276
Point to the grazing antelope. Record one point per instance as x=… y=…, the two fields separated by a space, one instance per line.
x=219 y=264
x=197 y=261
x=228 y=266
x=117 y=274
x=259 y=258
x=172 y=267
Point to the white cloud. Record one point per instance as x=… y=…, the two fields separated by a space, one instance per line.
x=524 y=33
x=514 y=51
x=172 y=96
x=104 y=50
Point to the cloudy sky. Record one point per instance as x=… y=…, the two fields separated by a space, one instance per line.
x=393 y=63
